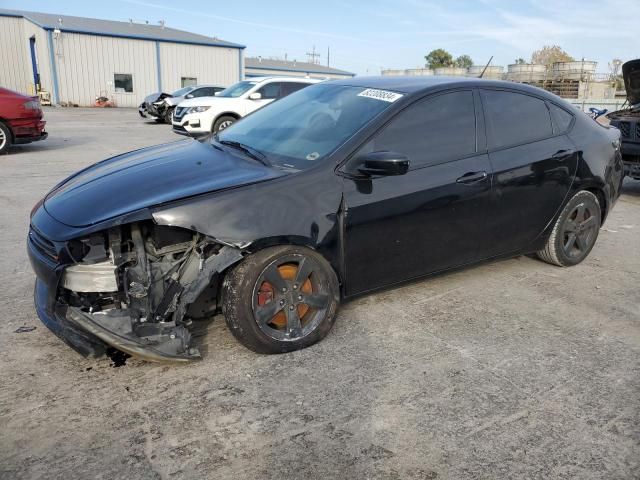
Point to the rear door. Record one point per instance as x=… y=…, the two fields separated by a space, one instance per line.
x=289 y=87
x=533 y=165
x=433 y=217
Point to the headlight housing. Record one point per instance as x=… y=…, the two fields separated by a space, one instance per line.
x=198 y=109
x=31 y=105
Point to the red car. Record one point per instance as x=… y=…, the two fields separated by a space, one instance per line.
x=20 y=119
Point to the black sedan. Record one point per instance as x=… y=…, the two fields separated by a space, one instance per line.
x=339 y=189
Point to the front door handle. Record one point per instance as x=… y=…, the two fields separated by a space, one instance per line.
x=471 y=177
x=562 y=154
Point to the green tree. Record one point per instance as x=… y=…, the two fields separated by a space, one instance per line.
x=439 y=58
x=520 y=61
x=463 y=61
x=550 y=54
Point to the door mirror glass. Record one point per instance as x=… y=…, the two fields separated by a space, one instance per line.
x=383 y=163
x=255 y=96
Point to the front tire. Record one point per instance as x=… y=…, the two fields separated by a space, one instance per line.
x=222 y=123
x=575 y=231
x=167 y=116
x=5 y=138
x=280 y=299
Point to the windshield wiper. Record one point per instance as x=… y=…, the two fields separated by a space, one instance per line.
x=249 y=151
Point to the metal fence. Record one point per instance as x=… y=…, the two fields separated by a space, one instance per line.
x=610 y=104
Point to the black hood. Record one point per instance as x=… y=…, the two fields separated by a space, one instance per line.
x=148 y=177
x=631 y=75
x=154 y=97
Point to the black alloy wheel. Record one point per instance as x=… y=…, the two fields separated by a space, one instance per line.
x=280 y=299
x=575 y=231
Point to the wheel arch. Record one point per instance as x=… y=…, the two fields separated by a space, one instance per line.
x=233 y=114
x=299 y=241
x=602 y=200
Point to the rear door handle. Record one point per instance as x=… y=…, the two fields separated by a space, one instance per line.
x=471 y=177
x=562 y=154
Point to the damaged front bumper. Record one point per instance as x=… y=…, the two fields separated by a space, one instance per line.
x=90 y=331
x=91 y=334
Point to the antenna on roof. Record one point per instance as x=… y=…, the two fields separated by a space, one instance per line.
x=162 y=23
x=486 y=66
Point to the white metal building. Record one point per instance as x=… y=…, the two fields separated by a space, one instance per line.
x=77 y=59
x=260 y=67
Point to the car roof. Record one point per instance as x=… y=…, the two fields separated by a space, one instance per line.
x=421 y=84
x=282 y=79
x=207 y=85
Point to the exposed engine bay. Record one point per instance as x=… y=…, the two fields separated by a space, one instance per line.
x=139 y=287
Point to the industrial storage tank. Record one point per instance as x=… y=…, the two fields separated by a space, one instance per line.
x=526 y=72
x=393 y=73
x=418 y=71
x=582 y=71
x=494 y=72
x=451 y=71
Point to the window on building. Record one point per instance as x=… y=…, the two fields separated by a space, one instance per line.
x=188 y=81
x=123 y=82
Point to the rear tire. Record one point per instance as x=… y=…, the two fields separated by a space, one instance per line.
x=575 y=231
x=223 y=122
x=280 y=299
x=5 y=138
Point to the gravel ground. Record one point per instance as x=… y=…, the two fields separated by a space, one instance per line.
x=515 y=369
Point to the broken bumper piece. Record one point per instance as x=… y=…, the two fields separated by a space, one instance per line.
x=157 y=344
x=91 y=334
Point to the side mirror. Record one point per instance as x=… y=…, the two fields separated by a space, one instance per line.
x=255 y=96
x=383 y=164
x=189 y=95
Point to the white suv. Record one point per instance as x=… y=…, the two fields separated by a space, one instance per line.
x=201 y=116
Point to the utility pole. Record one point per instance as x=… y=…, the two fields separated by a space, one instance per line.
x=313 y=56
x=327 y=57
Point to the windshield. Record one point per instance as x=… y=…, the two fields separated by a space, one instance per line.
x=236 y=89
x=302 y=128
x=182 y=91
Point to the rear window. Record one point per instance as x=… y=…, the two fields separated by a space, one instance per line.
x=514 y=118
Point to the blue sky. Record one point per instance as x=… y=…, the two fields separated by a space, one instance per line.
x=365 y=36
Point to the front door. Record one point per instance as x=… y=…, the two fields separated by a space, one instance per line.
x=268 y=92
x=433 y=217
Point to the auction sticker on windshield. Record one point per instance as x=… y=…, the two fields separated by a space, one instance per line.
x=383 y=95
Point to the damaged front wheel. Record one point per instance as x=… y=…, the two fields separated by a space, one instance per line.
x=280 y=299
